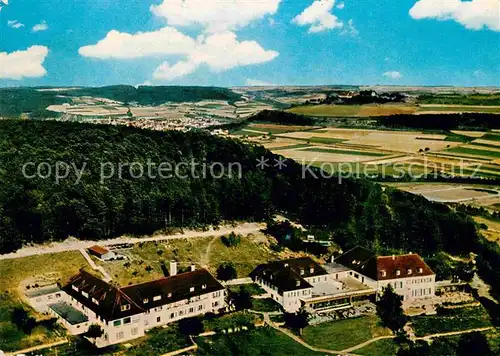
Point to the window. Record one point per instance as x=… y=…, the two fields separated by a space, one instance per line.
x=170 y=295
x=135 y=331
x=156 y=298
x=58 y=295
x=145 y=300
x=398 y=272
x=158 y=319
x=85 y=294
x=301 y=272
x=126 y=320
x=125 y=307
x=117 y=323
x=191 y=289
x=311 y=270
x=172 y=315
x=74 y=288
x=420 y=270
x=200 y=307
x=119 y=335
x=191 y=310
x=408 y=271
x=95 y=301
x=214 y=304
x=50 y=297
x=204 y=286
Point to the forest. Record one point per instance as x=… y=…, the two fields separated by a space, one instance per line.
x=471 y=121
x=32 y=101
x=353 y=212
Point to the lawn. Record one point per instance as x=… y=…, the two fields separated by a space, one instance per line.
x=265 y=305
x=261 y=341
x=58 y=265
x=384 y=347
x=253 y=289
x=340 y=335
x=345 y=152
x=451 y=320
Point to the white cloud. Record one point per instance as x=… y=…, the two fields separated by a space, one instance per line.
x=319 y=17
x=214 y=15
x=220 y=52
x=393 y=75
x=350 y=29
x=474 y=14
x=42 y=26
x=23 y=64
x=479 y=74
x=14 y=24
x=122 y=45
x=3 y=3
x=258 y=83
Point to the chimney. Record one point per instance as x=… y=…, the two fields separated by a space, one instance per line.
x=193 y=268
x=173 y=268
x=393 y=257
x=332 y=259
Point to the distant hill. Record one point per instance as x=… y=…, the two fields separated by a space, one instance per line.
x=34 y=101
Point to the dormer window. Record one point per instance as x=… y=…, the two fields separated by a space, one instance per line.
x=169 y=295
x=204 y=286
x=145 y=300
x=74 y=287
x=383 y=273
x=286 y=264
x=125 y=307
x=85 y=294
x=311 y=270
x=409 y=271
x=297 y=283
x=156 y=298
x=191 y=289
x=420 y=270
x=301 y=272
x=398 y=272
x=95 y=301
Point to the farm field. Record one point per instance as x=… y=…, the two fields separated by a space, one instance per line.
x=462 y=153
x=448 y=192
x=353 y=110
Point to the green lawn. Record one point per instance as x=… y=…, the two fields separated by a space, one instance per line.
x=340 y=335
x=384 y=347
x=451 y=320
x=346 y=152
x=265 y=305
x=463 y=108
x=261 y=341
x=253 y=289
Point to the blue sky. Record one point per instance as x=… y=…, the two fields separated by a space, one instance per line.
x=235 y=42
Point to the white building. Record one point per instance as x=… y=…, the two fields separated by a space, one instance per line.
x=125 y=313
x=102 y=253
x=408 y=274
x=292 y=281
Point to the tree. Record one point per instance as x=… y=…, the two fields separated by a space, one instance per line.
x=95 y=331
x=465 y=272
x=297 y=321
x=232 y=240
x=242 y=299
x=473 y=343
x=390 y=310
x=226 y=271
x=22 y=320
x=191 y=326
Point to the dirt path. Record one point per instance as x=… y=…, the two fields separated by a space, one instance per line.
x=368 y=342
x=72 y=244
x=205 y=259
x=452 y=333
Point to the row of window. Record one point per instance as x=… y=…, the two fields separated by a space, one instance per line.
x=421 y=292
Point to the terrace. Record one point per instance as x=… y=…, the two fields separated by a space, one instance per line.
x=69 y=313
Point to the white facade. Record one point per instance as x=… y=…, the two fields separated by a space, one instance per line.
x=411 y=288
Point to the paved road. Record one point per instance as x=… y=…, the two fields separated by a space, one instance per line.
x=73 y=244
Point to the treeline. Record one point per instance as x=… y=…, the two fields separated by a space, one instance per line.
x=474 y=121
x=39 y=209
x=32 y=101
x=460 y=99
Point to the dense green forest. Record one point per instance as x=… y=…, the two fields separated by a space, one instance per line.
x=352 y=212
x=472 y=121
x=15 y=101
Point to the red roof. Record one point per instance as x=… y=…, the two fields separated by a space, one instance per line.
x=402 y=266
x=98 y=250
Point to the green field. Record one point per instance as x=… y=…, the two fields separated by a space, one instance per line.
x=326 y=110
x=473 y=151
x=491 y=137
x=261 y=341
x=340 y=335
x=451 y=320
x=346 y=152
x=290 y=147
x=464 y=108
x=384 y=347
